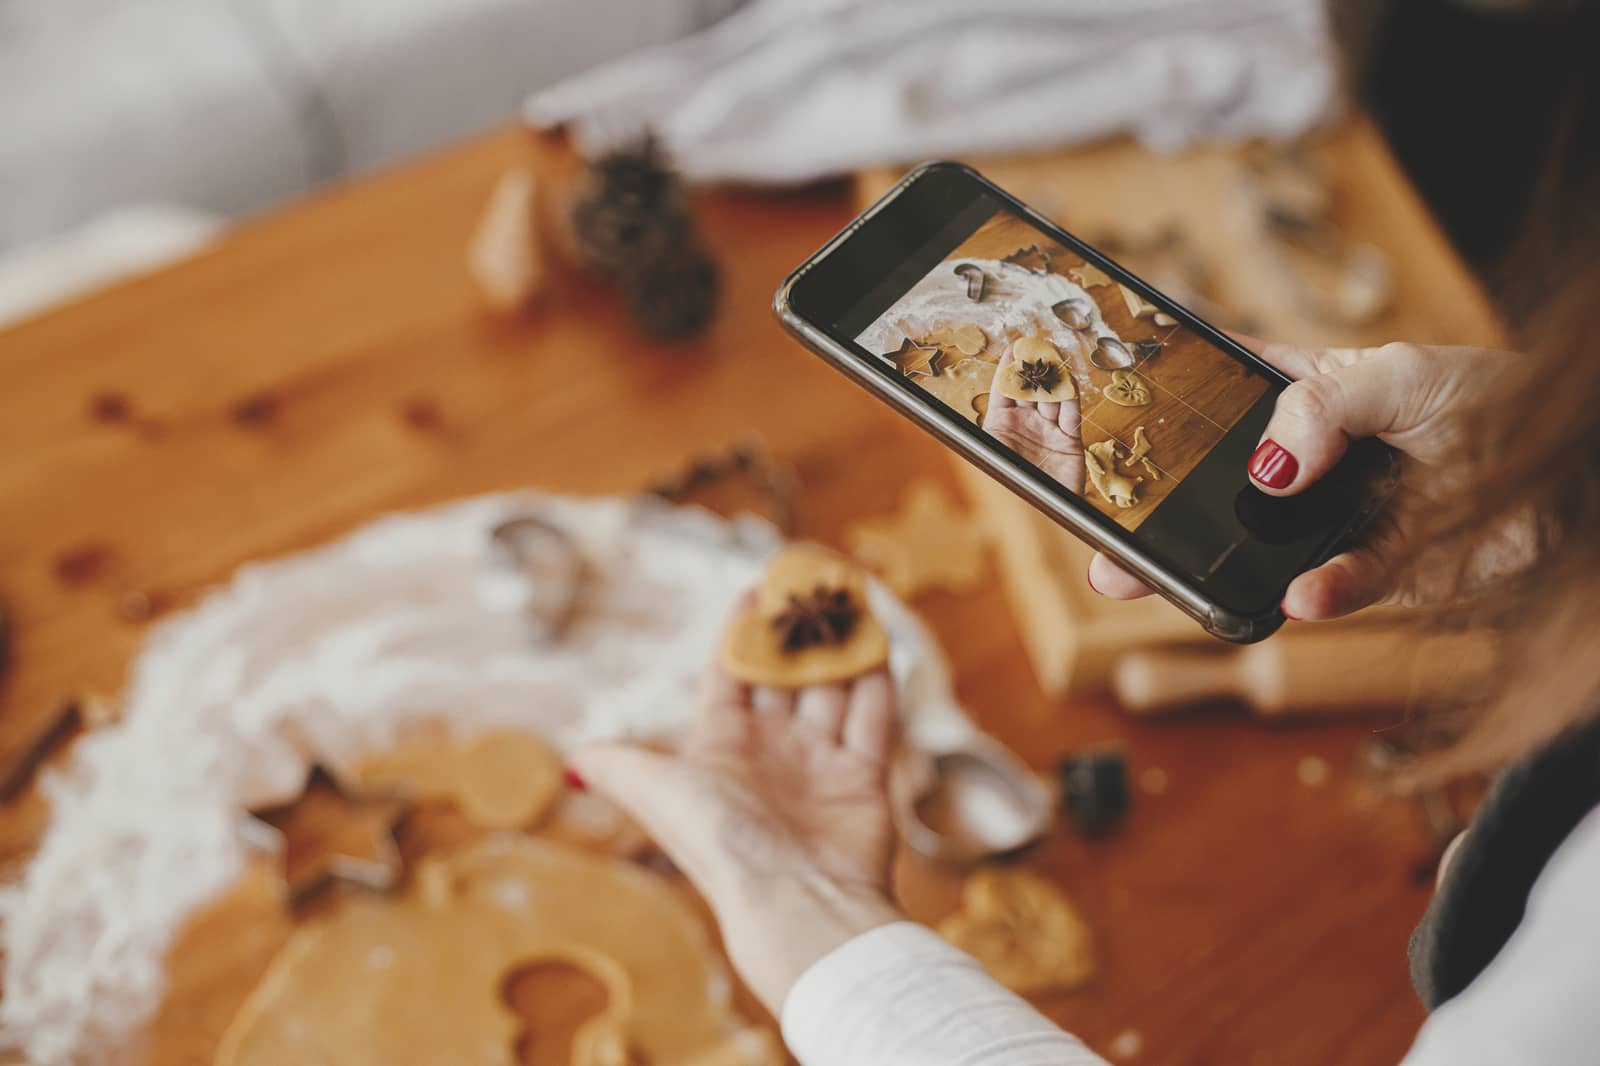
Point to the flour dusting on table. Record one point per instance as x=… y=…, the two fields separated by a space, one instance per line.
x=330 y=655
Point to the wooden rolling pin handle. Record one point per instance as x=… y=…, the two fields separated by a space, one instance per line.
x=1165 y=679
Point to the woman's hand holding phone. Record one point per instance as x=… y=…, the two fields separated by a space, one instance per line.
x=1420 y=401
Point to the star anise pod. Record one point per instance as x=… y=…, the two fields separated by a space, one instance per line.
x=1038 y=375
x=822 y=616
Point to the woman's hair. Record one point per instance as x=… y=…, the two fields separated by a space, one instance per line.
x=1536 y=452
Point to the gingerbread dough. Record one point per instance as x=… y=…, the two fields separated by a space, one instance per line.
x=1139 y=455
x=961 y=385
x=809 y=624
x=1088 y=276
x=500 y=780
x=930 y=543
x=418 y=978
x=968 y=340
x=1100 y=461
x=1023 y=930
x=1127 y=389
x=1036 y=372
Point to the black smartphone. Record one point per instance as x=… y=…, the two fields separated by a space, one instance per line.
x=1103 y=403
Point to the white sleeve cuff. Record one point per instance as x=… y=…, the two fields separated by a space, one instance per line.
x=899 y=994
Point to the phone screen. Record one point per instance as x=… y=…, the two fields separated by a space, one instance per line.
x=1091 y=378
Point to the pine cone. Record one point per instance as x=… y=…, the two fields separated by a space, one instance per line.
x=630 y=207
x=674 y=295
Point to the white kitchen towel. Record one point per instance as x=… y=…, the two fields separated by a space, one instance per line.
x=795 y=90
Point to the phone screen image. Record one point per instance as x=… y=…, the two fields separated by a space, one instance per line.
x=1102 y=390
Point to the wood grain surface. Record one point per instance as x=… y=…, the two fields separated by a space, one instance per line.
x=330 y=363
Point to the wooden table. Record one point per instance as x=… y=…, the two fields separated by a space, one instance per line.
x=331 y=363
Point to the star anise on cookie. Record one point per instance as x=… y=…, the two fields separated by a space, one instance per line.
x=822 y=616
x=1038 y=375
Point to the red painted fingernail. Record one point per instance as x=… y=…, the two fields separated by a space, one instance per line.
x=1272 y=465
x=574 y=780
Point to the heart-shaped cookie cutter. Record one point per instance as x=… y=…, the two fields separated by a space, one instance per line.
x=972 y=802
x=1111 y=354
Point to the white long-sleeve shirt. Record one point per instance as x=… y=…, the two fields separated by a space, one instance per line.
x=900 y=996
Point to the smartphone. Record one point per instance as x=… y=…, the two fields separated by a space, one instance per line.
x=1103 y=403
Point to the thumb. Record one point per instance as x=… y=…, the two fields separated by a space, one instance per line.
x=1356 y=394
x=633 y=777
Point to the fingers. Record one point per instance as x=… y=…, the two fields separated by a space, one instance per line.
x=1112 y=581
x=1342 y=585
x=633 y=777
x=822 y=708
x=1049 y=411
x=1316 y=417
x=870 y=718
x=766 y=699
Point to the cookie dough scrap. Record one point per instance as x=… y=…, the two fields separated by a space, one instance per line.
x=1088 y=276
x=418 y=977
x=809 y=623
x=498 y=780
x=1023 y=930
x=1139 y=455
x=931 y=543
x=1127 y=389
x=969 y=340
x=961 y=385
x=1100 y=461
x=1037 y=372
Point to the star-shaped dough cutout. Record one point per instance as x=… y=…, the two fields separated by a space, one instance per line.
x=1088 y=276
x=918 y=360
x=930 y=543
x=330 y=835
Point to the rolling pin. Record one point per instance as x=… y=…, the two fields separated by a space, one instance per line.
x=1307 y=672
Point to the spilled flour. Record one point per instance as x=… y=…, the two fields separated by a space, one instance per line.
x=1016 y=303
x=331 y=655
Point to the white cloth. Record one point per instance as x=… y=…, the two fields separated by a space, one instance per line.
x=900 y=995
x=793 y=90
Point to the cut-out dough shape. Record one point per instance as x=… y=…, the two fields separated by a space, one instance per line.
x=1023 y=930
x=1088 y=276
x=968 y=340
x=417 y=978
x=961 y=384
x=1037 y=373
x=809 y=624
x=930 y=543
x=1100 y=461
x=500 y=780
x=1139 y=455
x=1127 y=389
x=1137 y=305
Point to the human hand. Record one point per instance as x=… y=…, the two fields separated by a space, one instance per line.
x=1048 y=435
x=1418 y=400
x=776 y=807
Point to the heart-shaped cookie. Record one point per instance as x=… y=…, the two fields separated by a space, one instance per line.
x=1023 y=930
x=1127 y=389
x=809 y=624
x=1036 y=372
x=500 y=780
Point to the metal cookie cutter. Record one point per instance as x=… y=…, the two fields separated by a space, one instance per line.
x=972 y=802
x=1111 y=354
x=976 y=280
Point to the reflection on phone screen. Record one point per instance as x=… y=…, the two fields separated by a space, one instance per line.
x=1081 y=376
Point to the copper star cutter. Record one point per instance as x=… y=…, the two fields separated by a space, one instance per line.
x=957 y=795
